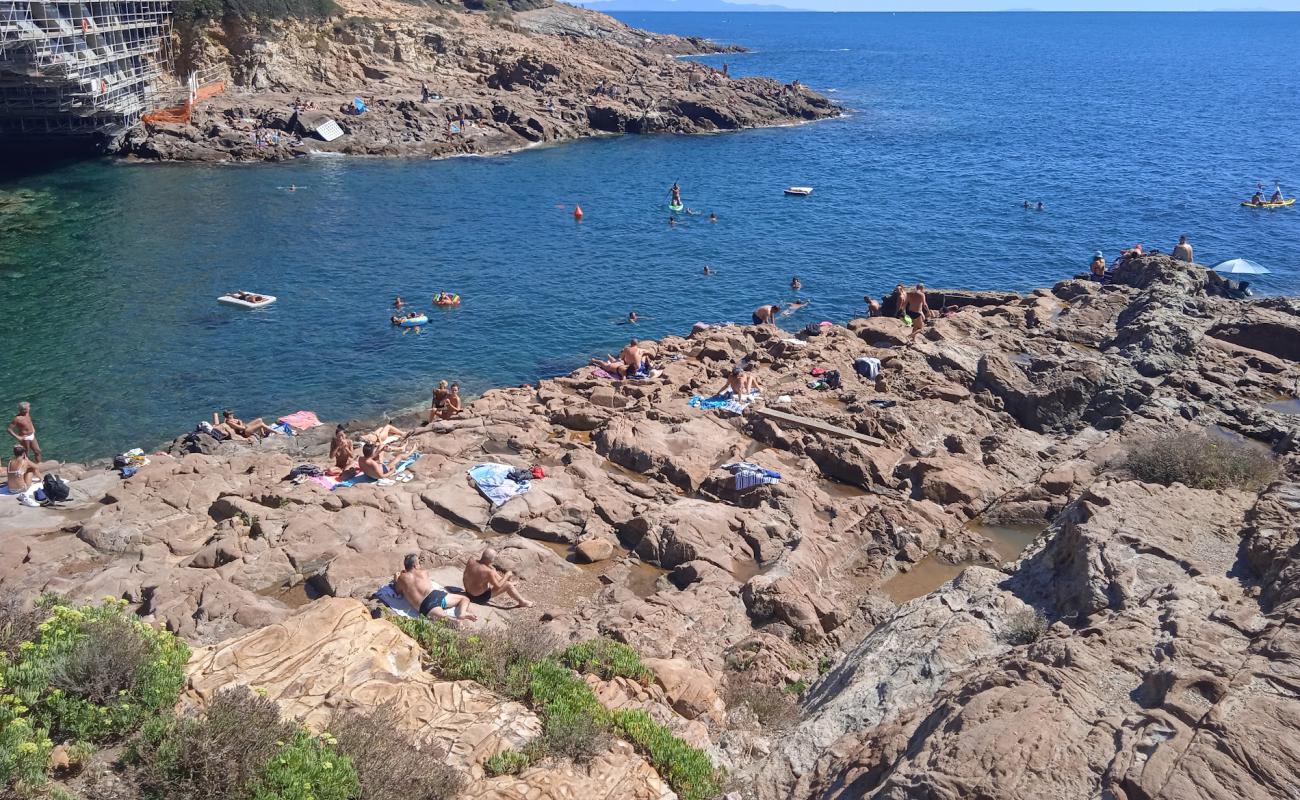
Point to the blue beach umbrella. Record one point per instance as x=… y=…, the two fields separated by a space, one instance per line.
x=1239 y=266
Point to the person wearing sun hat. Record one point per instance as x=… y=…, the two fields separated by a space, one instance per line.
x=1098 y=266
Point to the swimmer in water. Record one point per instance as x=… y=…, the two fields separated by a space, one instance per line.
x=672 y=222
x=713 y=217
x=631 y=318
x=398 y=302
x=707 y=271
x=1040 y=205
x=795 y=283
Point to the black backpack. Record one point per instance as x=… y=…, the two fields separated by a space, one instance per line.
x=832 y=378
x=56 y=489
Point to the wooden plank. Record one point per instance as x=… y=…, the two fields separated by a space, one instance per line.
x=814 y=425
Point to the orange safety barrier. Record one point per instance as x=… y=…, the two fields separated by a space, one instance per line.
x=175 y=114
x=210 y=90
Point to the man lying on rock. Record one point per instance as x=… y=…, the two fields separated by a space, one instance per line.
x=433 y=600
x=481 y=579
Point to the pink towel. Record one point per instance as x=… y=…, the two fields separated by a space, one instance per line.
x=302 y=420
x=324 y=480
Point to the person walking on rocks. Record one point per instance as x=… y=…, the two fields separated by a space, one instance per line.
x=24 y=430
x=432 y=599
x=1182 y=251
x=482 y=580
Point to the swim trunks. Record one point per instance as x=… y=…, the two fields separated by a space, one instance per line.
x=756 y=318
x=481 y=599
x=434 y=599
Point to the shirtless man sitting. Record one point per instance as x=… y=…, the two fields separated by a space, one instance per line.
x=22 y=477
x=631 y=361
x=481 y=580
x=371 y=464
x=24 y=430
x=433 y=601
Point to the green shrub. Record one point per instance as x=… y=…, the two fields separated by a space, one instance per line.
x=1200 y=461
x=206 y=10
x=606 y=659
x=687 y=769
x=24 y=750
x=96 y=673
x=211 y=756
x=388 y=765
x=307 y=768
x=18 y=623
x=574 y=723
x=507 y=762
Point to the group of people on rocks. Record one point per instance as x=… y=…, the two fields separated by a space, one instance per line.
x=481 y=578
x=1099 y=270
x=23 y=473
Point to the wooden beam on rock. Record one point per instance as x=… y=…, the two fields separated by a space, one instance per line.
x=814 y=425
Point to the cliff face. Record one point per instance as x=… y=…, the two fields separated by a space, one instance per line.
x=501 y=81
x=1144 y=646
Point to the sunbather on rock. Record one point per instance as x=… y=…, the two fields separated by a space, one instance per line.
x=233 y=426
x=371 y=461
x=341 y=451
x=432 y=600
x=482 y=580
x=383 y=433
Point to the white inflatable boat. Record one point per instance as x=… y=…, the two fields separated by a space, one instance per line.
x=799 y=191
x=233 y=299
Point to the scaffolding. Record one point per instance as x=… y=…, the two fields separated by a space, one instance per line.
x=85 y=67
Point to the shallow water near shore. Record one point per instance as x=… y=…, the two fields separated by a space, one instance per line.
x=1128 y=127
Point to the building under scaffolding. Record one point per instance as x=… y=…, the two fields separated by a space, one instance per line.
x=74 y=70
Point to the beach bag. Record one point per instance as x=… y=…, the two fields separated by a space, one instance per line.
x=907 y=320
x=56 y=489
x=812 y=329
x=832 y=378
x=310 y=470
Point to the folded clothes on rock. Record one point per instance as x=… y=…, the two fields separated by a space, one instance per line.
x=497 y=483
x=747 y=475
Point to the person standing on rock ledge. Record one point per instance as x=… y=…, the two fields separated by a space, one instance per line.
x=1182 y=251
x=24 y=430
x=481 y=579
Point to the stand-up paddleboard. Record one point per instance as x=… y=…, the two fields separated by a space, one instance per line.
x=675 y=207
x=799 y=191
x=232 y=300
x=1287 y=202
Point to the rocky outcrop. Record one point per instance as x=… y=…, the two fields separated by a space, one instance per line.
x=1144 y=646
x=500 y=82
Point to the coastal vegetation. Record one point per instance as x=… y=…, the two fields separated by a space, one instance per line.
x=519 y=664
x=1200 y=461
x=83 y=678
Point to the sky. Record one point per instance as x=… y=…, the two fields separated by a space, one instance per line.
x=1003 y=5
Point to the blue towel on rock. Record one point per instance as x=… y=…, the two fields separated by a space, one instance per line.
x=494 y=481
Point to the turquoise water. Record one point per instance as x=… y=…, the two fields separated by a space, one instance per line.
x=1128 y=127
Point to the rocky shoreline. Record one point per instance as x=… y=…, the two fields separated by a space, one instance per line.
x=1144 y=644
x=499 y=82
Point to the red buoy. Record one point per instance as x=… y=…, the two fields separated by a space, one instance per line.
x=577 y=212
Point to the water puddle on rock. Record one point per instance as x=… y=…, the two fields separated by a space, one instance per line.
x=1285 y=406
x=1008 y=541
x=640 y=577
x=744 y=569
x=295 y=596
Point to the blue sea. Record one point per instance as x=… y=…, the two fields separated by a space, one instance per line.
x=1128 y=127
